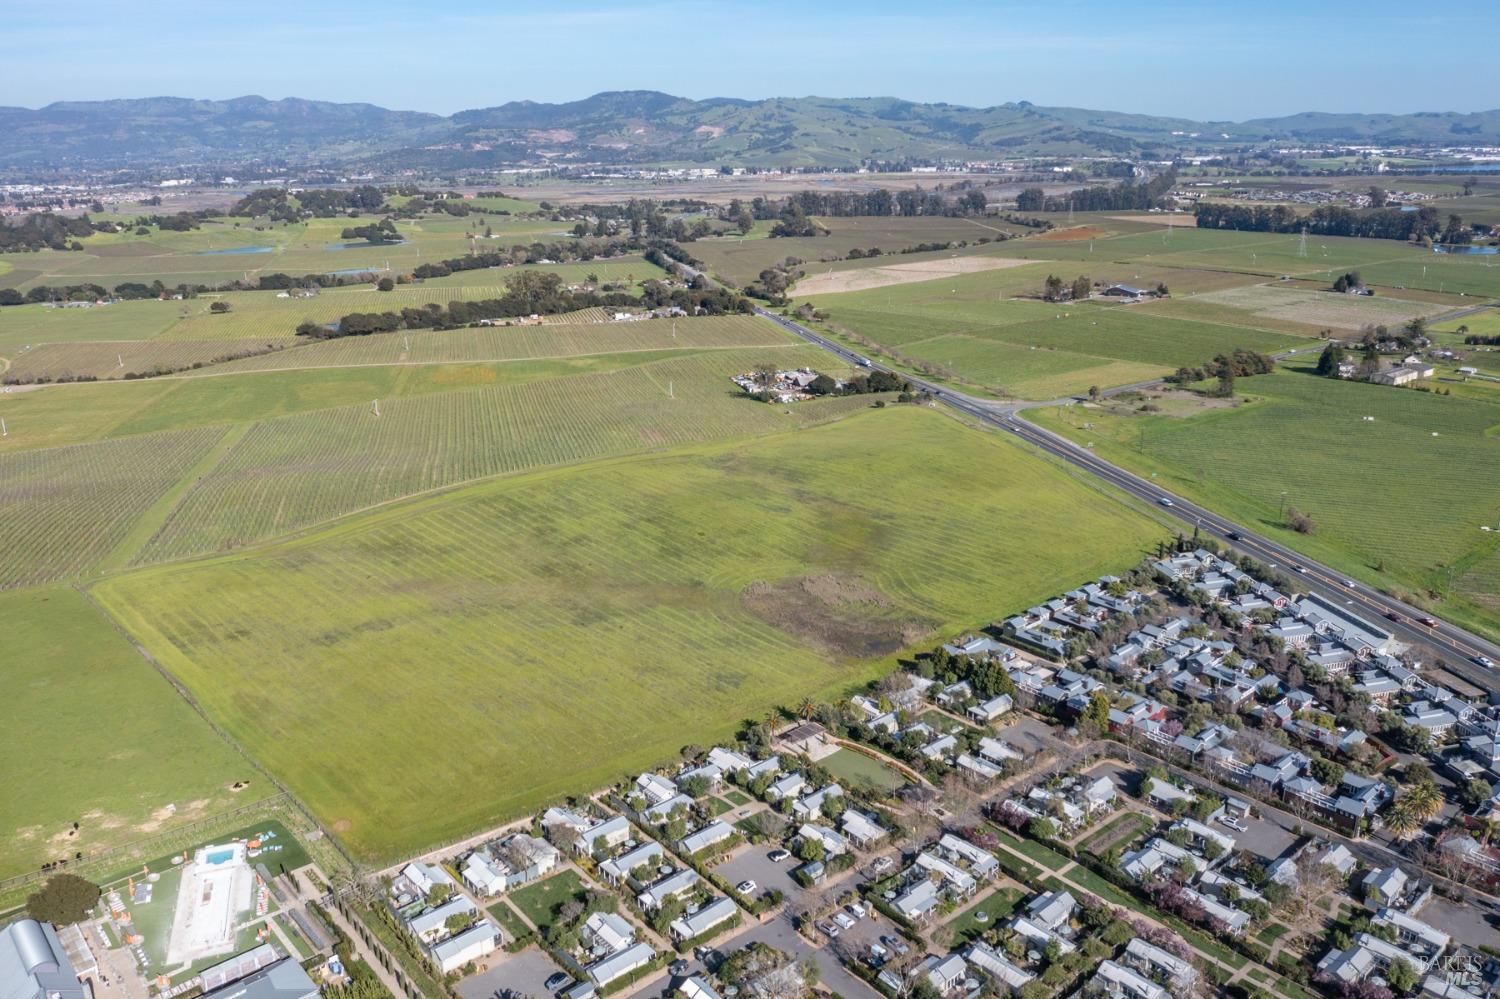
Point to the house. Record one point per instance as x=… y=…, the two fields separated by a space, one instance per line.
x=1039 y=936
x=664 y=810
x=990 y=961
x=1233 y=919
x=518 y=860
x=786 y=786
x=1052 y=909
x=991 y=709
x=604 y=835
x=1437 y=722
x=1165 y=795
x=696 y=987
x=728 y=761
x=618 y=869
x=430 y=925
x=862 y=830
x=1160 y=964
x=617 y=966
x=918 y=900
x=1112 y=979
x=944 y=973
x=668 y=887
x=1124 y=291
x=1145 y=862
x=978 y=766
x=805 y=738
x=425 y=877
x=711 y=835
x=655 y=788
x=1339 y=858
x=564 y=818
x=997 y=751
x=692 y=925
x=940 y=747
x=606 y=933
x=469 y=945
x=35 y=965
x=1200 y=835
x=1098 y=795
x=811 y=805
x=1416 y=936
x=833 y=844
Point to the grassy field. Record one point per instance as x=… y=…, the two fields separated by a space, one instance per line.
x=1426 y=466
x=739 y=260
x=107 y=742
x=979 y=338
x=427 y=670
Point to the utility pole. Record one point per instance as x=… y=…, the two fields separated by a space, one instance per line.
x=1281 y=513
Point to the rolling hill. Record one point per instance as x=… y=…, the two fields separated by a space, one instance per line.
x=651 y=127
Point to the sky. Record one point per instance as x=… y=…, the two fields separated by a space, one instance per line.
x=1207 y=59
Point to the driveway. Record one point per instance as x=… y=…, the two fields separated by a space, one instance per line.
x=523 y=974
x=1264 y=837
x=1464 y=922
x=1028 y=735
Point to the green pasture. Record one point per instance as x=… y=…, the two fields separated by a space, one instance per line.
x=107 y=742
x=858 y=770
x=1426 y=466
x=538 y=615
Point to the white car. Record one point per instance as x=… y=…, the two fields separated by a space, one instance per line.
x=1234 y=824
x=1484 y=661
x=843 y=920
x=1166 y=502
x=1349 y=583
x=745 y=887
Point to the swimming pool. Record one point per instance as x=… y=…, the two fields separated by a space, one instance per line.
x=219 y=857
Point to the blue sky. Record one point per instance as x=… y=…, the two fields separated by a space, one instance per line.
x=1206 y=59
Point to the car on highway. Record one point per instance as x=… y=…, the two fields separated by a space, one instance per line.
x=863 y=362
x=1165 y=502
x=1484 y=661
x=777 y=856
x=1299 y=568
x=745 y=887
x=1349 y=583
x=1429 y=622
x=557 y=981
x=1393 y=616
x=1234 y=536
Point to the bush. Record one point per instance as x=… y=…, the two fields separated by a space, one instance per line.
x=220 y=307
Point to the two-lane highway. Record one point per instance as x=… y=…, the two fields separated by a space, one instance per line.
x=1457 y=647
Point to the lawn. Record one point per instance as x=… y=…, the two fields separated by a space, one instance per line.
x=1114 y=832
x=514 y=926
x=1043 y=855
x=474 y=602
x=540 y=900
x=996 y=907
x=858 y=770
x=107 y=742
x=1428 y=464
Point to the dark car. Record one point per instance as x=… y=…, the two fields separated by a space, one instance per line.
x=1393 y=616
x=557 y=981
x=1234 y=536
x=1430 y=622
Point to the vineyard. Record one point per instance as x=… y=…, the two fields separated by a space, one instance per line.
x=62 y=509
x=118 y=358
x=603 y=599
x=297 y=471
x=513 y=343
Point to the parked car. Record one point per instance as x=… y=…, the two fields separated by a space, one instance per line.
x=829 y=929
x=844 y=920
x=858 y=910
x=777 y=856
x=1232 y=823
x=558 y=981
x=745 y=887
x=678 y=967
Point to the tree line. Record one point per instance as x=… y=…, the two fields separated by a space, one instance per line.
x=1129 y=195
x=1424 y=224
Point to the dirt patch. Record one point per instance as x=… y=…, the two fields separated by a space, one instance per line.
x=1177 y=221
x=554 y=135
x=837 y=613
x=863 y=278
x=1068 y=235
x=128 y=250
x=342 y=825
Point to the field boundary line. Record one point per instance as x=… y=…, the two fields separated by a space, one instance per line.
x=192 y=702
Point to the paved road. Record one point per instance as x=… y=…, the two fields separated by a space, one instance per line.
x=1457 y=646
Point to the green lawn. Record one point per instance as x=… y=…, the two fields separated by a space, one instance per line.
x=514 y=926
x=540 y=900
x=1043 y=855
x=1114 y=830
x=1433 y=461
x=108 y=743
x=858 y=770
x=469 y=602
x=996 y=907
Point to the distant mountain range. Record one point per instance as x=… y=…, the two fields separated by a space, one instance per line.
x=641 y=126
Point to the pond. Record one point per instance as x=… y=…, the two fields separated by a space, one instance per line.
x=1466 y=249
x=237 y=249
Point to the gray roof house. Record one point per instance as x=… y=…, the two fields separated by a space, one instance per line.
x=695 y=924
x=283 y=980
x=34 y=965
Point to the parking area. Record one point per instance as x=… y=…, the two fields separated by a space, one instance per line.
x=522 y=974
x=1263 y=837
x=753 y=863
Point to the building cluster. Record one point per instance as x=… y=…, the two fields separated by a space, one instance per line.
x=445 y=922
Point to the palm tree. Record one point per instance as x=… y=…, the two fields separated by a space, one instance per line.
x=1400 y=820
x=1424 y=800
x=806 y=708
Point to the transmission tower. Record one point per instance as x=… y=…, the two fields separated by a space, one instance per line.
x=1302 y=243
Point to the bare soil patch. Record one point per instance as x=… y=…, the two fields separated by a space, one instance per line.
x=1077 y=232
x=864 y=278
x=1180 y=221
x=837 y=613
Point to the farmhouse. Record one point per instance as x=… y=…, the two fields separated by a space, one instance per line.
x=984 y=957
x=671 y=886
x=515 y=861
x=618 y=869
x=710 y=835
